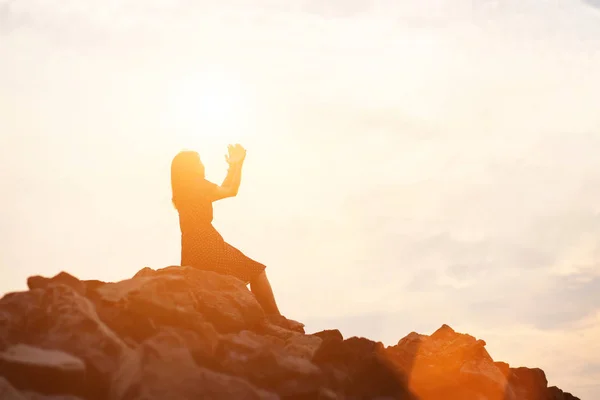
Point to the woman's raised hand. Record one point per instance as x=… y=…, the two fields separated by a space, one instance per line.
x=235 y=154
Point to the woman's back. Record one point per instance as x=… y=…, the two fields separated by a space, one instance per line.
x=195 y=207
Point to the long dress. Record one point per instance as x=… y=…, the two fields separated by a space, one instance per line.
x=201 y=245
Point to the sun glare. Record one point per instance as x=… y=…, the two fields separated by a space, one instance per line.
x=208 y=109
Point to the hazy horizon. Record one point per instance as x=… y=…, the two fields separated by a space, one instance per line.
x=409 y=165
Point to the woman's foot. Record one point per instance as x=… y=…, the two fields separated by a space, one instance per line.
x=295 y=325
x=283 y=322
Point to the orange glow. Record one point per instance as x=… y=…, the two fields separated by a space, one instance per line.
x=208 y=108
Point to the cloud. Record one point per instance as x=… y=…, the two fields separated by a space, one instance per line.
x=592 y=3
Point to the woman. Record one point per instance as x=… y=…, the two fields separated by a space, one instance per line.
x=201 y=245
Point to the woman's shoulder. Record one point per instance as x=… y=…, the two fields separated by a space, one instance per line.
x=204 y=184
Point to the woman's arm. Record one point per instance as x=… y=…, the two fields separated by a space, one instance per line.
x=231 y=183
x=234 y=177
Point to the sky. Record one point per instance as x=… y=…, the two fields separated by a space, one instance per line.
x=410 y=164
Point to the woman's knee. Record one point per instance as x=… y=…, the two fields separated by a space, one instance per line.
x=259 y=278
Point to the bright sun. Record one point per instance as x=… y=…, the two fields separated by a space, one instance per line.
x=208 y=109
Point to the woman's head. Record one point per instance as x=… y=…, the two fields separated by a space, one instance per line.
x=186 y=168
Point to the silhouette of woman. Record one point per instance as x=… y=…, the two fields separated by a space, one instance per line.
x=201 y=245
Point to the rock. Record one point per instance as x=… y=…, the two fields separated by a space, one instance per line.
x=43 y=371
x=406 y=351
x=250 y=341
x=163 y=368
x=448 y=362
x=529 y=383
x=63 y=278
x=14 y=310
x=360 y=367
x=303 y=346
x=147 y=271
x=456 y=366
x=8 y=392
x=84 y=288
x=137 y=318
x=555 y=393
x=202 y=344
x=224 y=301
x=183 y=333
x=486 y=380
x=268 y=329
x=503 y=367
x=37 y=396
x=328 y=394
x=267 y=364
x=59 y=318
x=443 y=333
x=330 y=334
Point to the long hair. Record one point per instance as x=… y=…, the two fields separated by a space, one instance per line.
x=186 y=169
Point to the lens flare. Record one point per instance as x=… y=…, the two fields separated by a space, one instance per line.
x=208 y=109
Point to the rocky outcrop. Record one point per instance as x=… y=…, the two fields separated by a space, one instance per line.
x=182 y=333
x=47 y=371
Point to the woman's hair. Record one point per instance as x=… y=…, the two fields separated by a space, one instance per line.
x=186 y=169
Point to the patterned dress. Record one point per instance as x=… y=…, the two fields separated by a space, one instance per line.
x=202 y=246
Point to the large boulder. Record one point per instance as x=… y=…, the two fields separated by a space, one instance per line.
x=43 y=371
x=448 y=364
x=162 y=367
x=529 y=383
x=360 y=367
x=59 y=318
x=186 y=294
x=270 y=363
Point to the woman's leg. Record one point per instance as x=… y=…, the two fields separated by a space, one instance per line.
x=261 y=288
